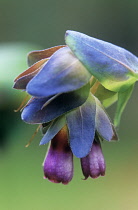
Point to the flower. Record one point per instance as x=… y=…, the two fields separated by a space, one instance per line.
x=58 y=163
x=85 y=125
x=79 y=132
x=65 y=101
x=93 y=164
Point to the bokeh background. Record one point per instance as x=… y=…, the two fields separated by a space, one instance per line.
x=30 y=25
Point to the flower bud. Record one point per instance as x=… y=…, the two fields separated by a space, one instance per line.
x=93 y=164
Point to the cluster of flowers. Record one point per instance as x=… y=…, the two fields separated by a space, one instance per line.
x=70 y=87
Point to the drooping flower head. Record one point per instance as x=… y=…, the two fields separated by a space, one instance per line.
x=68 y=85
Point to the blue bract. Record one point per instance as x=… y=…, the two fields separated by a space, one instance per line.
x=70 y=86
x=41 y=110
x=83 y=124
x=114 y=67
x=61 y=68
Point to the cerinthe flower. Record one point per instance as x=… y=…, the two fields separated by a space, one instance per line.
x=58 y=163
x=73 y=119
x=93 y=164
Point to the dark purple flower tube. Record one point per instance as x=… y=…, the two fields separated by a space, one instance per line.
x=58 y=163
x=93 y=164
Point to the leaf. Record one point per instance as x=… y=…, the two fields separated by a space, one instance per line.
x=114 y=67
x=37 y=55
x=62 y=73
x=31 y=69
x=123 y=98
x=102 y=93
x=22 y=80
x=44 y=127
x=40 y=111
x=54 y=127
x=103 y=125
x=106 y=97
x=81 y=125
x=110 y=101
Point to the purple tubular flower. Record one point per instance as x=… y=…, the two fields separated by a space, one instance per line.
x=93 y=164
x=58 y=163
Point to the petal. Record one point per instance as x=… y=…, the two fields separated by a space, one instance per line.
x=58 y=163
x=36 y=112
x=113 y=66
x=123 y=98
x=54 y=127
x=94 y=164
x=81 y=125
x=103 y=124
x=62 y=73
x=37 y=55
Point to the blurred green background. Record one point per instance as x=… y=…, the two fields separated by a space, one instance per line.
x=30 y=25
